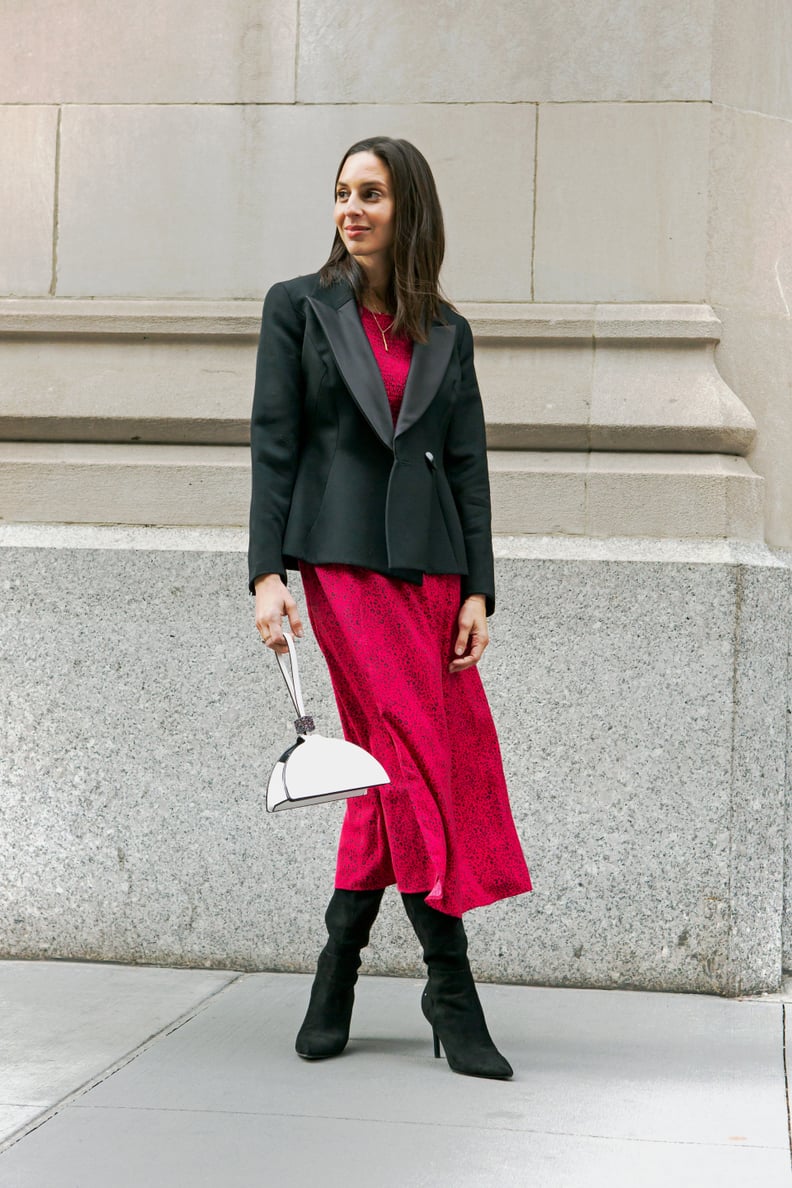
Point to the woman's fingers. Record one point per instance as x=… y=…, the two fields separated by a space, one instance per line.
x=475 y=654
x=290 y=607
x=273 y=633
x=269 y=618
x=472 y=638
x=463 y=635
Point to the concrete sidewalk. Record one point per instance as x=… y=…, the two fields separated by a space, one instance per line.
x=139 y=1077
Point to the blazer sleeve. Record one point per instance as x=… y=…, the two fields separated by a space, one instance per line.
x=274 y=431
x=465 y=461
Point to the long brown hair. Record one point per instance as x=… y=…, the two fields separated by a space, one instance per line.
x=418 y=239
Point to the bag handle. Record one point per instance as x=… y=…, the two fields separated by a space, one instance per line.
x=287 y=662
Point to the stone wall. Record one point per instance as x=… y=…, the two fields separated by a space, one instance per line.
x=749 y=271
x=615 y=178
x=635 y=687
x=189 y=162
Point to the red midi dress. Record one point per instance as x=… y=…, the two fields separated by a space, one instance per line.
x=443 y=825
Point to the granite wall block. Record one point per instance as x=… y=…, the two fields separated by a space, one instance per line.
x=642 y=716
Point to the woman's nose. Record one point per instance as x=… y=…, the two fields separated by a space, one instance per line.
x=353 y=204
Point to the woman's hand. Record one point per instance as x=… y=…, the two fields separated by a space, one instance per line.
x=273 y=601
x=472 y=633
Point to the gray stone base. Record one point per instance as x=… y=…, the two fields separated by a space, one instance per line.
x=640 y=693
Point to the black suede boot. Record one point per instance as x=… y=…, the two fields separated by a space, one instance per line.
x=325 y=1029
x=450 y=1001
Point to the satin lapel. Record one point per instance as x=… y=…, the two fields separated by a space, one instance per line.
x=429 y=363
x=357 y=364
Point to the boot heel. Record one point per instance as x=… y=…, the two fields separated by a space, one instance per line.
x=450 y=1003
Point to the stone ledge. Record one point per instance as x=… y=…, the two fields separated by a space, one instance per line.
x=600 y=494
x=626 y=494
x=606 y=320
x=135 y=537
x=156 y=538
x=140 y=318
x=50 y=316
x=562 y=377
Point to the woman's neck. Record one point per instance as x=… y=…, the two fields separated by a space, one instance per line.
x=376 y=290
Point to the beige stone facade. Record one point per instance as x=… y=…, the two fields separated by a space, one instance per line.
x=614 y=179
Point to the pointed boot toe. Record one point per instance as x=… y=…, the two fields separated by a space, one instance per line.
x=451 y=1005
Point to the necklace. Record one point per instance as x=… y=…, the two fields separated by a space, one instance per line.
x=383 y=331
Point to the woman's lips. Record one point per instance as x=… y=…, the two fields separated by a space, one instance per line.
x=354 y=232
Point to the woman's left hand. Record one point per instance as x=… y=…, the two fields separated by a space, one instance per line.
x=472 y=634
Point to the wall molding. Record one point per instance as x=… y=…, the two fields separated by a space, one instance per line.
x=86 y=317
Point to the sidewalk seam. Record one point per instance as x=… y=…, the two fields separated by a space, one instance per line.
x=786 y=1074
x=417 y=1122
x=121 y=1062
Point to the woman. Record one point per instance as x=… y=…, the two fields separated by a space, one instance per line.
x=370 y=476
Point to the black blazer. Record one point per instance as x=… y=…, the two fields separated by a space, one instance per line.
x=332 y=480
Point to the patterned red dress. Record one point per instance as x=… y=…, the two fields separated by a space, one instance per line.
x=443 y=825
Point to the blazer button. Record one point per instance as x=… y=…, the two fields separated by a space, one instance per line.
x=430 y=459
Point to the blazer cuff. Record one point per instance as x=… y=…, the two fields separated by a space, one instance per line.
x=488 y=597
x=260 y=572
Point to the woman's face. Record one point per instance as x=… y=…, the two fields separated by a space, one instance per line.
x=364 y=208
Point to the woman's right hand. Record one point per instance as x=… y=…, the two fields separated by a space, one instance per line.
x=273 y=601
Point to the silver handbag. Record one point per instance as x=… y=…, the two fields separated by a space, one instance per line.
x=315 y=769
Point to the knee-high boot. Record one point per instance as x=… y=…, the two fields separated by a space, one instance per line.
x=450 y=1001
x=325 y=1029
